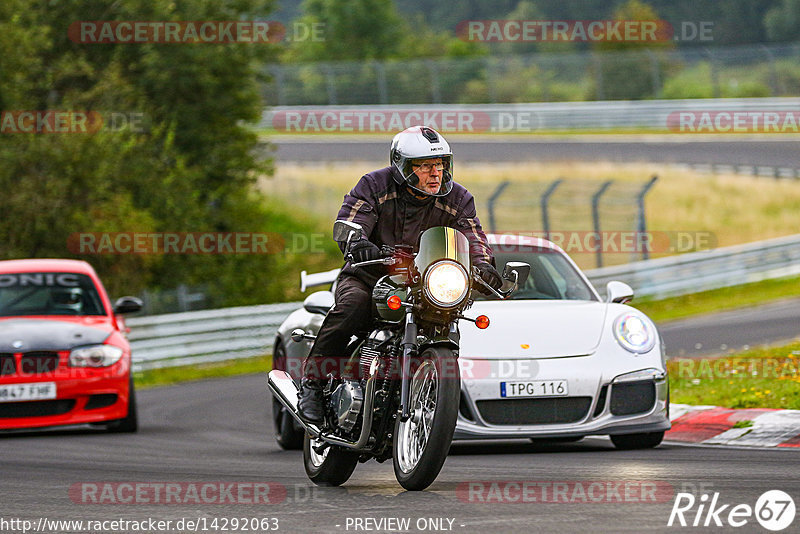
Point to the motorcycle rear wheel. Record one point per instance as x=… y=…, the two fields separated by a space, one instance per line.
x=421 y=443
x=332 y=467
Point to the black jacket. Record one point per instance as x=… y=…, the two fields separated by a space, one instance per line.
x=391 y=215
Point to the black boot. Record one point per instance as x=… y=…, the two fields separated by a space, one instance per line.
x=310 y=401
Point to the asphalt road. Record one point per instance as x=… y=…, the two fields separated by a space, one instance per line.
x=733 y=330
x=762 y=151
x=217 y=431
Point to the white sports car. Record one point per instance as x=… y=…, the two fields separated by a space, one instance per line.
x=556 y=363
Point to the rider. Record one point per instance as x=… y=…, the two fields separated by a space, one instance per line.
x=393 y=205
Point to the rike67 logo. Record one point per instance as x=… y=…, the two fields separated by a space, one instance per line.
x=774 y=510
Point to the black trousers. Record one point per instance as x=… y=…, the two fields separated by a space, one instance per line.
x=352 y=314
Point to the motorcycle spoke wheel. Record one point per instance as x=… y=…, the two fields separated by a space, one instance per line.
x=316 y=458
x=415 y=432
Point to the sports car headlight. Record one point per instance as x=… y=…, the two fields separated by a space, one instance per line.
x=446 y=283
x=95 y=356
x=634 y=333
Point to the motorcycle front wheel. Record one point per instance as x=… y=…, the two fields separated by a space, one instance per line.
x=421 y=443
x=331 y=467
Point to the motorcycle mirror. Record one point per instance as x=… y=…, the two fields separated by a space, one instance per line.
x=298 y=335
x=521 y=269
x=346 y=231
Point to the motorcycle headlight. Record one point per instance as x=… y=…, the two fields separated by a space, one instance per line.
x=446 y=283
x=634 y=333
x=95 y=356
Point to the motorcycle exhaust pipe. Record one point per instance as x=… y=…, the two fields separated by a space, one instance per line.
x=285 y=390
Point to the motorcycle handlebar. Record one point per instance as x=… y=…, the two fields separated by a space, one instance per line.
x=497 y=292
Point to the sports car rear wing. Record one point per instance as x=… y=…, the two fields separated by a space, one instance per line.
x=317 y=279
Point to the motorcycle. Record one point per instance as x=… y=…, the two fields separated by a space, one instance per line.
x=400 y=396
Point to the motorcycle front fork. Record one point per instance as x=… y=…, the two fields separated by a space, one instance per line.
x=409 y=349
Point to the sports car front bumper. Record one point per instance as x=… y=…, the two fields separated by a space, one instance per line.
x=596 y=404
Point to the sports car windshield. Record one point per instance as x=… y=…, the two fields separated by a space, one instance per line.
x=552 y=276
x=48 y=294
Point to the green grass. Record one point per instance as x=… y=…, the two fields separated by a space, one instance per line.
x=187 y=373
x=762 y=378
x=726 y=298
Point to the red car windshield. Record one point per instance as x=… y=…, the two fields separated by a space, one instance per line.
x=48 y=294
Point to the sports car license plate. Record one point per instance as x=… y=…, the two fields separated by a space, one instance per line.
x=24 y=392
x=534 y=388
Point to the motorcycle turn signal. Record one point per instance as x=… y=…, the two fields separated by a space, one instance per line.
x=481 y=321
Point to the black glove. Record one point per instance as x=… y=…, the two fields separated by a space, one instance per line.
x=489 y=275
x=363 y=250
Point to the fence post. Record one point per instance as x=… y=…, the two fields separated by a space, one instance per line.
x=490 y=89
x=773 y=75
x=380 y=74
x=655 y=73
x=714 y=74
x=436 y=95
x=278 y=77
x=596 y=217
x=544 y=202
x=147 y=302
x=642 y=222
x=330 y=83
x=490 y=204
x=598 y=77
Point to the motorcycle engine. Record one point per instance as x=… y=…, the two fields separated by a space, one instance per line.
x=346 y=401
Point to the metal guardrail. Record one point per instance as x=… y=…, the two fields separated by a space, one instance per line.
x=511 y=118
x=205 y=336
x=704 y=270
x=229 y=333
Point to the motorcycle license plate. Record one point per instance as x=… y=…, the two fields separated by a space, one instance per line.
x=534 y=388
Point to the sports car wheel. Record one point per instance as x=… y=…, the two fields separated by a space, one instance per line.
x=646 y=440
x=130 y=423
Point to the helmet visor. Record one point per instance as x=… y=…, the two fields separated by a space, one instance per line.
x=429 y=176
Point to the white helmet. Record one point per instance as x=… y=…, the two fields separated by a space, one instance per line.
x=421 y=142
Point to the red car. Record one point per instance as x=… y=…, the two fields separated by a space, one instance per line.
x=64 y=357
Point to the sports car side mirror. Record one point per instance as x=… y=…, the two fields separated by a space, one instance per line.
x=346 y=231
x=319 y=302
x=618 y=292
x=127 y=305
x=521 y=269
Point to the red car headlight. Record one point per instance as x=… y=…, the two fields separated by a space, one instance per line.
x=95 y=356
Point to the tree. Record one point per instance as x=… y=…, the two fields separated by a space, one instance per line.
x=782 y=22
x=191 y=169
x=628 y=75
